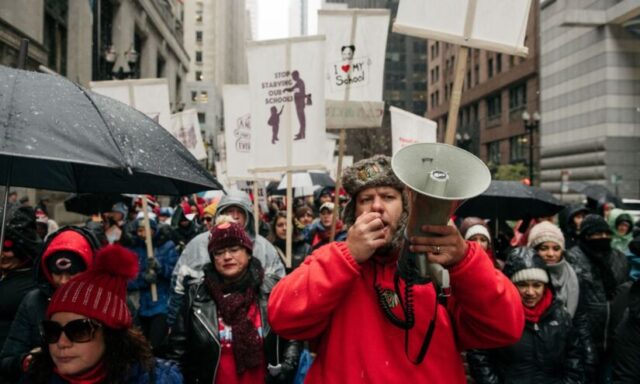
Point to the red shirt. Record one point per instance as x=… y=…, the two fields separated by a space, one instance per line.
x=227 y=368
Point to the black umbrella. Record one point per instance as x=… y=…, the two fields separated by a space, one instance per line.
x=56 y=135
x=511 y=200
x=595 y=192
x=92 y=203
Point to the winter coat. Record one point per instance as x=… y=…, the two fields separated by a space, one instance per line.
x=195 y=340
x=569 y=228
x=166 y=256
x=299 y=251
x=330 y=300
x=620 y=242
x=13 y=287
x=565 y=284
x=549 y=352
x=164 y=372
x=633 y=257
x=594 y=296
x=626 y=354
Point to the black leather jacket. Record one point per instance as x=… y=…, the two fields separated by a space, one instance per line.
x=194 y=341
x=548 y=352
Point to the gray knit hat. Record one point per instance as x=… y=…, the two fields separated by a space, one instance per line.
x=368 y=173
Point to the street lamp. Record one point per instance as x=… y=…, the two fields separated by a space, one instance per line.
x=531 y=123
x=131 y=55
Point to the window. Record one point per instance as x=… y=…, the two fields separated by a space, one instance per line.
x=199 y=36
x=204 y=97
x=518 y=146
x=419 y=107
x=194 y=95
x=499 y=63
x=476 y=74
x=493 y=107
x=420 y=86
x=420 y=67
x=490 y=68
x=160 y=67
x=55 y=34
x=512 y=61
x=468 y=79
x=202 y=117
x=198 y=16
x=518 y=96
x=199 y=76
x=493 y=152
x=199 y=57
x=437 y=73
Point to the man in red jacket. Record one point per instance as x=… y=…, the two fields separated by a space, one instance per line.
x=366 y=324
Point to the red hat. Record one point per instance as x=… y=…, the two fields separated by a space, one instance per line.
x=100 y=293
x=67 y=241
x=227 y=234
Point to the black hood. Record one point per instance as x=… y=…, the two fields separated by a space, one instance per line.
x=21 y=229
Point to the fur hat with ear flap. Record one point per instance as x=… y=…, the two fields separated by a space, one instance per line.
x=100 y=293
x=370 y=173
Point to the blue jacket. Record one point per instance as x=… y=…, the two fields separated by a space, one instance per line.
x=167 y=256
x=164 y=372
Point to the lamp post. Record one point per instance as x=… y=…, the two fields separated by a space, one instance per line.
x=531 y=123
x=110 y=55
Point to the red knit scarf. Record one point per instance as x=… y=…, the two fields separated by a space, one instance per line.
x=533 y=314
x=95 y=375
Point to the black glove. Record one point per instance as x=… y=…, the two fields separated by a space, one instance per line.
x=153 y=264
x=150 y=276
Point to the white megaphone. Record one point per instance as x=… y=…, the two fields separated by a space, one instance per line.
x=440 y=177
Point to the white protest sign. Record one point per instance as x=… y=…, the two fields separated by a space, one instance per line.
x=186 y=128
x=287 y=97
x=237 y=130
x=149 y=96
x=408 y=128
x=495 y=25
x=355 y=52
x=347 y=161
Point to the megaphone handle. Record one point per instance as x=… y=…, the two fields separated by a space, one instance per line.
x=422 y=264
x=440 y=275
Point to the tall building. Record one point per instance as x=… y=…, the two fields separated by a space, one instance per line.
x=497 y=89
x=299 y=18
x=252 y=9
x=590 y=91
x=405 y=82
x=214 y=36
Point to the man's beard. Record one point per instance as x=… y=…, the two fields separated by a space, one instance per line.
x=395 y=244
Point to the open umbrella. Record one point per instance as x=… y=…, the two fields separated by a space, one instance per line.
x=595 y=192
x=58 y=136
x=307 y=180
x=91 y=203
x=511 y=200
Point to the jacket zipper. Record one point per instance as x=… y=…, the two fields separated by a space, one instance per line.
x=215 y=372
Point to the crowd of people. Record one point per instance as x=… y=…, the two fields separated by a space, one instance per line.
x=212 y=300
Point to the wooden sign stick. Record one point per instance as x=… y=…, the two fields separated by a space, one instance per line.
x=148 y=242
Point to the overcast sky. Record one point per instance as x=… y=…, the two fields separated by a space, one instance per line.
x=273 y=18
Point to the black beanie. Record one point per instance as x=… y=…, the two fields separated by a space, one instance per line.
x=593 y=224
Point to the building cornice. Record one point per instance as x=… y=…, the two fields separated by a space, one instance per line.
x=154 y=15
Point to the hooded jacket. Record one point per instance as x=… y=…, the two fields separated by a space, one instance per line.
x=330 y=300
x=620 y=242
x=626 y=354
x=24 y=334
x=195 y=255
x=570 y=231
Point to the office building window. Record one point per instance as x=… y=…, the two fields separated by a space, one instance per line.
x=55 y=34
x=199 y=57
x=194 y=95
x=204 y=97
x=518 y=96
x=199 y=76
x=493 y=152
x=499 y=63
x=493 y=107
x=202 y=117
x=490 y=68
x=199 y=36
x=476 y=74
x=518 y=148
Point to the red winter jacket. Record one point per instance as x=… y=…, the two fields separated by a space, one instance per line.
x=330 y=299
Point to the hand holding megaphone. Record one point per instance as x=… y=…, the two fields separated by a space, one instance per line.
x=444 y=246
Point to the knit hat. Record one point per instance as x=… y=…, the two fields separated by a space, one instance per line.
x=593 y=224
x=121 y=208
x=478 y=229
x=368 y=173
x=100 y=293
x=228 y=234
x=211 y=209
x=67 y=251
x=543 y=232
x=523 y=263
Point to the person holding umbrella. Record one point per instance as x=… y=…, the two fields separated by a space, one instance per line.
x=549 y=350
x=87 y=333
x=67 y=252
x=20 y=248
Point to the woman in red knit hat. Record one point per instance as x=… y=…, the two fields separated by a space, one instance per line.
x=88 y=336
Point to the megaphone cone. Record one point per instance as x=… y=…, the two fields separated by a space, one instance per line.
x=439 y=178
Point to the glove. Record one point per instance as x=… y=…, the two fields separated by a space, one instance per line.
x=150 y=276
x=153 y=264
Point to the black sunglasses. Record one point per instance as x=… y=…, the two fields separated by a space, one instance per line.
x=77 y=331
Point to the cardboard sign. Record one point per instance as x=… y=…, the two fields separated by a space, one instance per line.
x=495 y=25
x=287 y=101
x=408 y=128
x=186 y=128
x=237 y=130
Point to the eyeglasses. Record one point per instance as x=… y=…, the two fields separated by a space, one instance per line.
x=77 y=331
x=207 y=218
x=232 y=250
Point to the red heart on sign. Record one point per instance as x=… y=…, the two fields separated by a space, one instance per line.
x=345 y=68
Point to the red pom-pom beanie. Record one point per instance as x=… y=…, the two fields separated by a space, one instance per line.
x=100 y=293
x=225 y=235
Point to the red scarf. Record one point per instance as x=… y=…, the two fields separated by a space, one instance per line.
x=533 y=314
x=95 y=375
